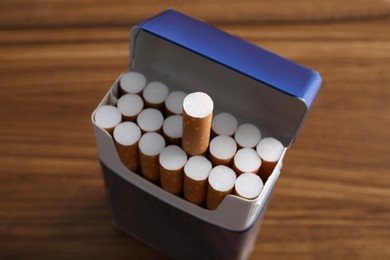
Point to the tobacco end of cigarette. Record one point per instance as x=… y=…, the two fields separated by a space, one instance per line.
x=132 y=82
x=247 y=136
x=248 y=186
x=107 y=117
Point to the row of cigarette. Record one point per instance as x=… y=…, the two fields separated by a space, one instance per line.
x=166 y=137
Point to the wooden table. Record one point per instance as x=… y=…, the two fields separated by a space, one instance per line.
x=58 y=58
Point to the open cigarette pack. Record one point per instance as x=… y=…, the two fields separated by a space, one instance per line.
x=176 y=53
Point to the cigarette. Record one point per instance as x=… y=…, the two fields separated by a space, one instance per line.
x=247 y=136
x=246 y=160
x=173 y=129
x=221 y=182
x=132 y=83
x=196 y=172
x=270 y=150
x=174 y=103
x=107 y=117
x=222 y=150
x=155 y=94
x=150 y=146
x=130 y=105
x=197 y=115
x=126 y=136
x=172 y=160
x=224 y=124
x=248 y=186
x=150 y=120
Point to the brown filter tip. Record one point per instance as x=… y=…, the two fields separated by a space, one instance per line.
x=172 y=160
x=196 y=172
x=221 y=182
x=126 y=136
x=150 y=146
x=270 y=151
x=107 y=117
x=197 y=117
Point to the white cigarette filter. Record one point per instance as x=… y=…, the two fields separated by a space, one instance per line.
x=150 y=120
x=246 y=160
x=172 y=160
x=270 y=150
x=174 y=103
x=107 y=117
x=173 y=129
x=197 y=115
x=222 y=150
x=132 y=83
x=126 y=136
x=155 y=94
x=224 y=124
x=196 y=172
x=247 y=136
x=248 y=186
x=221 y=182
x=150 y=146
x=130 y=105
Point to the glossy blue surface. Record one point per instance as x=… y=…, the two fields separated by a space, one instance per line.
x=235 y=53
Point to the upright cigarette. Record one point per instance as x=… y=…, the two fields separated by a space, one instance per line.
x=174 y=103
x=107 y=117
x=155 y=94
x=222 y=150
x=224 y=124
x=150 y=146
x=246 y=160
x=270 y=150
x=132 y=83
x=126 y=136
x=221 y=183
x=173 y=129
x=196 y=172
x=150 y=120
x=130 y=105
x=172 y=160
x=248 y=186
x=197 y=115
x=247 y=136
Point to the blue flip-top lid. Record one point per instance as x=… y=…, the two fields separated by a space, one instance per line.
x=254 y=62
x=237 y=54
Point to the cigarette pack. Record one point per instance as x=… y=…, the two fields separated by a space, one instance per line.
x=255 y=85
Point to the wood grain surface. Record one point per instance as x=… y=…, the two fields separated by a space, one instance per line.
x=58 y=58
